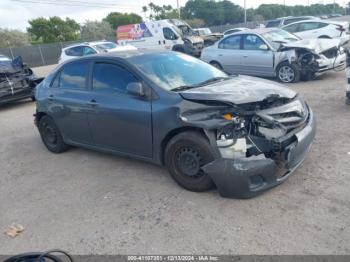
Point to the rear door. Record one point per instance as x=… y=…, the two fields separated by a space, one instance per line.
x=256 y=60
x=68 y=98
x=229 y=54
x=119 y=121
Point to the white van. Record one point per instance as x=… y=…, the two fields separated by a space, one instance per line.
x=170 y=34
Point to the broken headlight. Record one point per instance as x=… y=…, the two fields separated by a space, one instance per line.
x=231 y=139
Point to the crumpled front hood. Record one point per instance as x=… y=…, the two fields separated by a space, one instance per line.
x=195 y=39
x=316 y=45
x=239 y=90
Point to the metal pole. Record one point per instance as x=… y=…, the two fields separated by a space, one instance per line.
x=245 y=12
x=178 y=8
x=41 y=54
x=8 y=42
x=334 y=7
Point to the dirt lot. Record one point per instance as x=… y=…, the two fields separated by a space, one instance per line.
x=87 y=202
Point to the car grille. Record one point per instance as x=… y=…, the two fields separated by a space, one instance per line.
x=292 y=116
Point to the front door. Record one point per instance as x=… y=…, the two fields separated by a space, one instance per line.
x=119 y=121
x=257 y=58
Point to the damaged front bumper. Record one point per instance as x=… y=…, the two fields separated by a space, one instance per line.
x=246 y=177
x=326 y=64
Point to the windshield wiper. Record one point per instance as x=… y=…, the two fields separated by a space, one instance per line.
x=212 y=80
x=182 y=88
x=206 y=82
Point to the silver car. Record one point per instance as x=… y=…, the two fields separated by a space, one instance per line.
x=273 y=52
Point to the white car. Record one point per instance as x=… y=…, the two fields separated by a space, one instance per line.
x=311 y=29
x=90 y=48
x=273 y=52
x=235 y=30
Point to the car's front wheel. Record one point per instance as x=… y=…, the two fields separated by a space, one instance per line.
x=287 y=73
x=51 y=135
x=185 y=155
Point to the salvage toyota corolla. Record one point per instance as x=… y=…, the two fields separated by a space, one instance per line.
x=243 y=135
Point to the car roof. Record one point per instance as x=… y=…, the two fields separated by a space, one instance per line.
x=261 y=30
x=314 y=20
x=88 y=43
x=123 y=55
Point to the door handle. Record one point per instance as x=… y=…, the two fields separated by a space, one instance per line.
x=245 y=56
x=164 y=42
x=92 y=102
x=51 y=97
x=159 y=42
x=219 y=54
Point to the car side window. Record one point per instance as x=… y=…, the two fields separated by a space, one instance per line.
x=75 y=51
x=320 y=25
x=109 y=77
x=252 y=42
x=88 y=51
x=231 y=42
x=169 y=34
x=56 y=81
x=74 y=75
x=308 y=26
x=292 y=28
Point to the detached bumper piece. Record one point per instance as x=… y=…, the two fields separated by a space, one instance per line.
x=251 y=176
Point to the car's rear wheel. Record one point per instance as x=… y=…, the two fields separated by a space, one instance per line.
x=51 y=135
x=185 y=155
x=216 y=64
x=287 y=73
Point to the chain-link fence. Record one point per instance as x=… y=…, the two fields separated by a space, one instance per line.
x=48 y=54
x=38 y=55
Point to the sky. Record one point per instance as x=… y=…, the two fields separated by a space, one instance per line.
x=14 y=14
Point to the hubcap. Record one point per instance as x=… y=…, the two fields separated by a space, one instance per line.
x=286 y=74
x=49 y=134
x=189 y=162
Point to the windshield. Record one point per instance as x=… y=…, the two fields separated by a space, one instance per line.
x=174 y=70
x=278 y=37
x=106 y=46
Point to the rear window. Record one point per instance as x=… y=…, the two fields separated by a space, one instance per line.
x=75 y=51
x=274 y=23
x=73 y=76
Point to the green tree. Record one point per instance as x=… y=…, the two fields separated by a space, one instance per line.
x=157 y=12
x=225 y=11
x=53 y=29
x=13 y=38
x=95 y=30
x=116 y=19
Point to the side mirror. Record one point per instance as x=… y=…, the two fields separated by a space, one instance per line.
x=264 y=47
x=136 y=89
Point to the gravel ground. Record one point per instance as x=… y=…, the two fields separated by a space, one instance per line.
x=92 y=203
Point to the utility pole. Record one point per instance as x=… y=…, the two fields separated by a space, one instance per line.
x=334 y=7
x=178 y=8
x=245 y=12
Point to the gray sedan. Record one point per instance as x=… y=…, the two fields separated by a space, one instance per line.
x=272 y=52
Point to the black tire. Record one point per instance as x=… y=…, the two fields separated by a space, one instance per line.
x=308 y=76
x=216 y=64
x=185 y=154
x=287 y=73
x=51 y=135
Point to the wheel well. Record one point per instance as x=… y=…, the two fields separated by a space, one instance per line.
x=175 y=132
x=39 y=115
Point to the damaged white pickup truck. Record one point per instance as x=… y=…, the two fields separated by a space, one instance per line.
x=272 y=52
